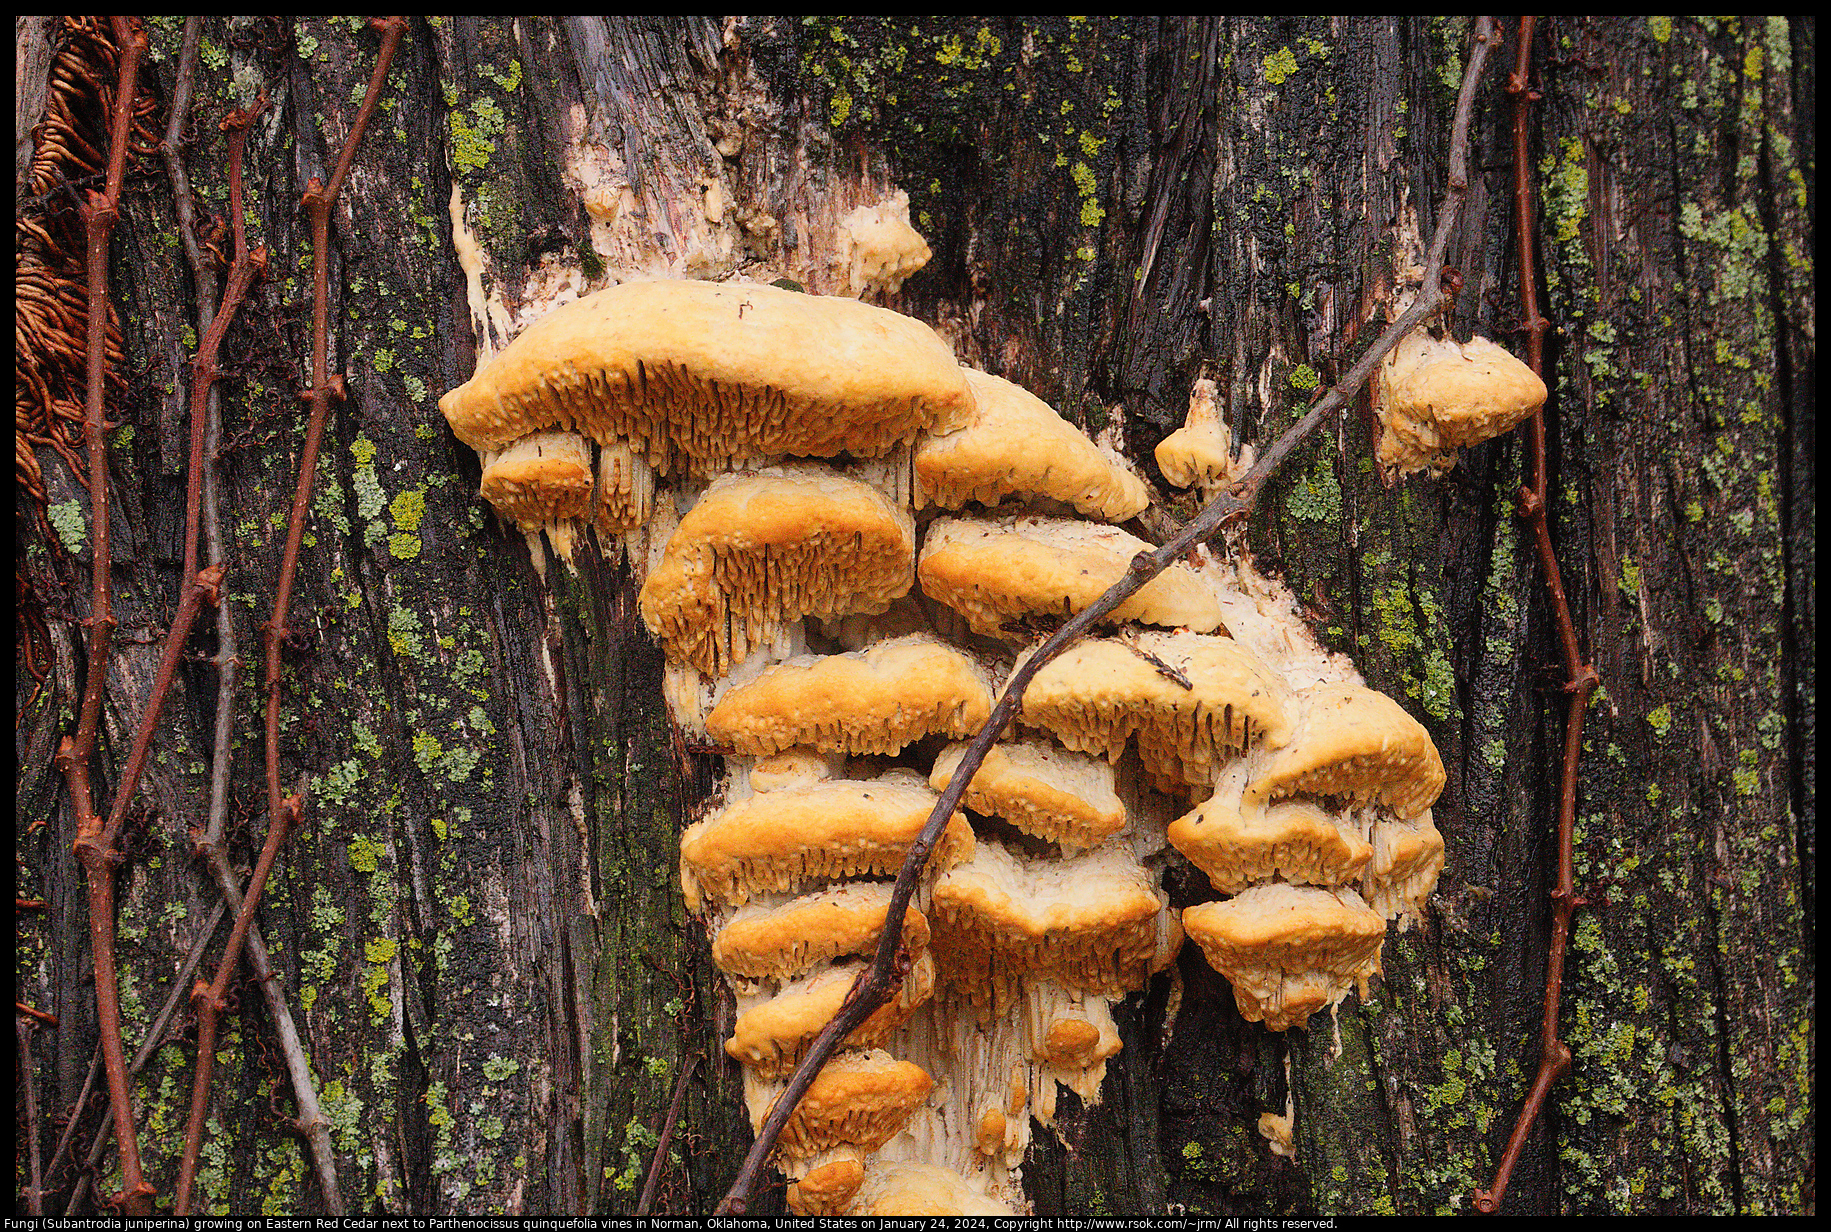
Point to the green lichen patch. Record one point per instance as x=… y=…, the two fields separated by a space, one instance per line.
x=1409 y=622
x=1741 y=245
x=1564 y=179
x=474 y=131
x=70 y=521
x=1316 y=494
x=1280 y=66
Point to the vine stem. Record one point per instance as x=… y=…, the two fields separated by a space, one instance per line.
x=242 y=271
x=284 y=811
x=1581 y=679
x=312 y=1122
x=155 y=1037
x=95 y=847
x=213 y=1000
x=198 y=586
x=880 y=980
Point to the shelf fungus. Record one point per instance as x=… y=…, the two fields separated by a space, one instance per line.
x=1017 y=445
x=774 y=1029
x=1069 y=1036
x=998 y=573
x=779 y=840
x=1238 y=845
x=1089 y=922
x=780 y=941
x=691 y=417
x=1070 y=1032
x=825 y=1184
x=715 y=374
x=1407 y=859
x=907 y=1189
x=874 y=700
x=1045 y=791
x=1433 y=396
x=1353 y=742
x=763 y=547
x=626 y=488
x=858 y=1102
x=1194 y=701
x=542 y=481
x=1201 y=453
x=1288 y=950
x=882 y=249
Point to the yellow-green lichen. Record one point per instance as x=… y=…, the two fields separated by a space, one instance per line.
x=1566 y=188
x=508 y=81
x=1316 y=495
x=1747 y=774
x=68 y=520
x=365 y=854
x=375 y=989
x=327 y=505
x=1091 y=212
x=1400 y=622
x=404 y=633
x=473 y=135
x=335 y=786
x=426 y=752
x=1742 y=244
x=408 y=509
x=1630 y=574
x=1279 y=66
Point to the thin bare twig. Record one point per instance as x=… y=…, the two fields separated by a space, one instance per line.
x=313 y=1124
x=318 y=201
x=25 y=1024
x=667 y=1135
x=1581 y=679
x=182 y=205
x=242 y=271
x=879 y=981
x=213 y=1000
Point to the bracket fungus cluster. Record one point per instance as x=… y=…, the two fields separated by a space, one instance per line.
x=1433 y=396
x=845 y=543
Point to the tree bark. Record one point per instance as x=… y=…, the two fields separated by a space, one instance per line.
x=480 y=929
